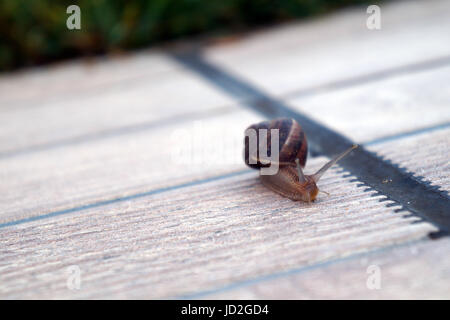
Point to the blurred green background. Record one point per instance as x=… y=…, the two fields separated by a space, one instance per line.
x=34 y=31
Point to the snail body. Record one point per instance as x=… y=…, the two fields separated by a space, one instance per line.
x=292 y=149
x=287 y=184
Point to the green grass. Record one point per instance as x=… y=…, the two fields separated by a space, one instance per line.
x=35 y=32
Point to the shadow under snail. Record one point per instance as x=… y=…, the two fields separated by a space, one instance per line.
x=289 y=181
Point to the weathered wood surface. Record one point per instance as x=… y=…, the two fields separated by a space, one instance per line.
x=194 y=239
x=68 y=80
x=427 y=277
x=88 y=175
x=425 y=155
x=371 y=111
x=73 y=175
x=338 y=50
x=85 y=115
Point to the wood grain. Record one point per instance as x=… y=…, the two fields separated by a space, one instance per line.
x=59 y=81
x=338 y=49
x=424 y=155
x=102 y=169
x=406 y=272
x=392 y=106
x=196 y=239
x=131 y=168
x=84 y=117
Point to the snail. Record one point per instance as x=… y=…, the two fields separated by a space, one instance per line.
x=288 y=179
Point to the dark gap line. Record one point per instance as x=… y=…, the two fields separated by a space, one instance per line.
x=295 y=271
x=376 y=76
x=118 y=131
x=372 y=77
x=198 y=182
x=370 y=169
x=151 y=125
x=121 y=199
x=407 y=134
x=92 y=91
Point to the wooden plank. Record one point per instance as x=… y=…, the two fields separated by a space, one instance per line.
x=59 y=81
x=425 y=155
x=103 y=169
x=195 y=239
x=138 y=104
x=379 y=109
x=322 y=53
x=406 y=272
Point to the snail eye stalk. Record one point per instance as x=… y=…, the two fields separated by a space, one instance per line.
x=301 y=176
x=327 y=166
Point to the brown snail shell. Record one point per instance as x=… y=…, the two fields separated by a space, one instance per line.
x=292 y=143
x=289 y=181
